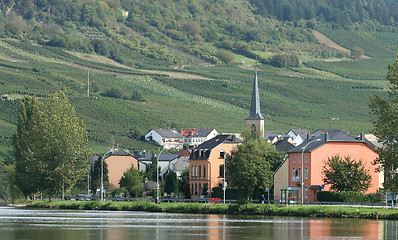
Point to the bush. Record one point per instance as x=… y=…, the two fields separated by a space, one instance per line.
x=113 y=93
x=348 y=197
x=283 y=60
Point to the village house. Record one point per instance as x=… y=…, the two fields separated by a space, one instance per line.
x=195 y=137
x=308 y=158
x=118 y=163
x=167 y=138
x=206 y=164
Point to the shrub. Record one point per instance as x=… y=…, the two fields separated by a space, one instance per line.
x=327 y=196
x=113 y=93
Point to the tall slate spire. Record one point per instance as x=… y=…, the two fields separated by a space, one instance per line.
x=255 y=111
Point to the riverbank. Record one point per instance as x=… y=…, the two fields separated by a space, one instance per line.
x=248 y=209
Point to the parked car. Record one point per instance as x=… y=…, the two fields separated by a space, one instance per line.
x=83 y=197
x=117 y=198
x=69 y=197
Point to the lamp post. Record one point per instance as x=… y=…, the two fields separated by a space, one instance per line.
x=157 y=177
x=102 y=175
x=224 y=187
x=302 y=168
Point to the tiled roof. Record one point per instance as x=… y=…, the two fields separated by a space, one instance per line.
x=170 y=133
x=203 y=132
x=188 y=132
x=332 y=135
x=148 y=157
x=283 y=145
x=208 y=145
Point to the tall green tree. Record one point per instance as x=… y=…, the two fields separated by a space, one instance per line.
x=183 y=183
x=54 y=153
x=346 y=174
x=249 y=166
x=385 y=127
x=171 y=184
x=132 y=182
x=96 y=175
x=26 y=143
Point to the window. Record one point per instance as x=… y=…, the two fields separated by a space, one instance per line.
x=299 y=173
x=192 y=172
x=204 y=171
x=306 y=158
x=200 y=189
x=196 y=189
x=305 y=172
x=299 y=158
x=305 y=191
x=222 y=153
x=293 y=172
x=221 y=171
x=294 y=158
x=196 y=171
x=200 y=171
x=191 y=188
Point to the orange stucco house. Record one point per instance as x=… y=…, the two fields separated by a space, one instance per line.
x=119 y=162
x=320 y=146
x=206 y=163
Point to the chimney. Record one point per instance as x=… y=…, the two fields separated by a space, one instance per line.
x=327 y=137
x=363 y=137
x=308 y=135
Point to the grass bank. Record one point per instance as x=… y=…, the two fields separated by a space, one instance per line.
x=249 y=209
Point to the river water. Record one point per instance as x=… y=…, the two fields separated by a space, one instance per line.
x=27 y=224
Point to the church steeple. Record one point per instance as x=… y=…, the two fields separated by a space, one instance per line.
x=255 y=119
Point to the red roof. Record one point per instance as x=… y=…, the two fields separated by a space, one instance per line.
x=188 y=132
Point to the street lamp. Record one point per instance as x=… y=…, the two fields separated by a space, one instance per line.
x=102 y=175
x=302 y=168
x=224 y=187
x=157 y=177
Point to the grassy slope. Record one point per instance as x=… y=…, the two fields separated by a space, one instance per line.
x=201 y=97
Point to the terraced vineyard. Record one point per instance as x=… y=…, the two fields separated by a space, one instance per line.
x=335 y=95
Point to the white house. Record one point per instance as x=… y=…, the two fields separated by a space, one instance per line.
x=168 y=138
x=298 y=136
x=195 y=137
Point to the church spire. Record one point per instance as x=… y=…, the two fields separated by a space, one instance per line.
x=255 y=111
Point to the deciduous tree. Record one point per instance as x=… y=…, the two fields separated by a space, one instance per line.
x=132 y=182
x=346 y=174
x=385 y=127
x=50 y=147
x=249 y=166
x=171 y=184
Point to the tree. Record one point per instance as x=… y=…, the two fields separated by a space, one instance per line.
x=385 y=127
x=96 y=175
x=151 y=168
x=346 y=174
x=249 y=166
x=26 y=143
x=51 y=146
x=171 y=184
x=132 y=182
x=356 y=52
x=183 y=183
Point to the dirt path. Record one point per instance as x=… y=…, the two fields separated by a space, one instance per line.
x=328 y=42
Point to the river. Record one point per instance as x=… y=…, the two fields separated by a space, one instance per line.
x=28 y=224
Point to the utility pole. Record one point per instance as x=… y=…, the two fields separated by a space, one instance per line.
x=88 y=83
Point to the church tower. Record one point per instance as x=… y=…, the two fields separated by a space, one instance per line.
x=255 y=119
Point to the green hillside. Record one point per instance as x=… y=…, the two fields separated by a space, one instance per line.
x=190 y=64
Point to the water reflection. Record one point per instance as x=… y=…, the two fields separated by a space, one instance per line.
x=100 y=225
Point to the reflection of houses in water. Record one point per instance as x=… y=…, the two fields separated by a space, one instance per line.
x=296 y=228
